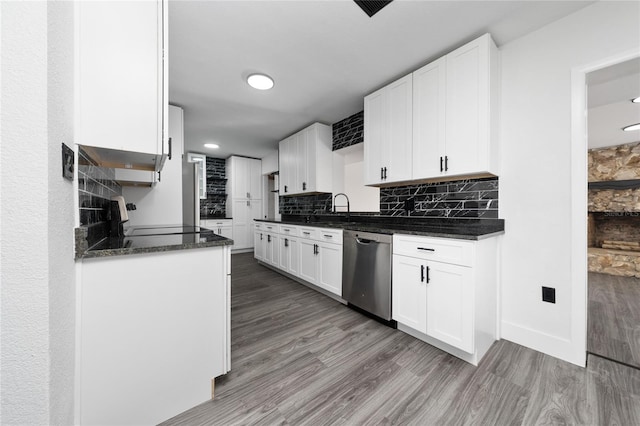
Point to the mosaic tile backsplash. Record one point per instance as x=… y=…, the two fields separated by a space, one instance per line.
x=305 y=204
x=473 y=198
x=96 y=186
x=349 y=131
x=216 y=202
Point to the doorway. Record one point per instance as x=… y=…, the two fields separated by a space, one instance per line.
x=613 y=237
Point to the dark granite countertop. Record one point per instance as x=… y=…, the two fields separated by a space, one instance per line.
x=466 y=229
x=149 y=240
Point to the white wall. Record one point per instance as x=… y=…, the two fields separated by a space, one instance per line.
x=270 y=163
x=38 y=278
x=62 y=297
x=348 y=178
x=162 y=204
x=535 y=184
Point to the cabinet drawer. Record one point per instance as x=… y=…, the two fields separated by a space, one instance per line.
x=258 y=225
x=456 y=252
x=270 y=227
x=309 y=233
x=219 y=223
x=330 y=235
x=289 y=230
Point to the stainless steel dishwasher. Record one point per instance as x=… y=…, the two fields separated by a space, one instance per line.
x=366 y=272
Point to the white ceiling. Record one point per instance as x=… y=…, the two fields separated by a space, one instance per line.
x=324 y=56
x=609 y=95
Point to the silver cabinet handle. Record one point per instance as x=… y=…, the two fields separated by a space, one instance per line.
x=328 y=236
x=306 y=233
x=426 y=249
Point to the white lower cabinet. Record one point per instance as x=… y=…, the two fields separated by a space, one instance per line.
x=273 y=250
x=290 y=255
x=308 y=261
x=444 y=292
x=223 y=227
x=312 y=254
x=409 y=299
x=329 y=267
x=259 y=245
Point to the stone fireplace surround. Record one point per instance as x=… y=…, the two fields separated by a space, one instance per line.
x=614 y=210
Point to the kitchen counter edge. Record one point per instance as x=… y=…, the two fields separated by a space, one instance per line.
x=381 y=229
x=84 y=253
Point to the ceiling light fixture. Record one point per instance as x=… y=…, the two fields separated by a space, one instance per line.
x=632 y=127
x=260 y=81
x=211 y=145
x=636 y=100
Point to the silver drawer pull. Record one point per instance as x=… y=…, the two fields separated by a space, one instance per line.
x=426 y=249
x=328 y=236
x=286 y=230
x=306 y=233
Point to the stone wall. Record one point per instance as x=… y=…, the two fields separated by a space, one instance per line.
x=621 y=162
x=614 y=200
x=614 y=262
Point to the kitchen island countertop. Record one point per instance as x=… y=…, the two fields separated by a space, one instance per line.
x=148 y=240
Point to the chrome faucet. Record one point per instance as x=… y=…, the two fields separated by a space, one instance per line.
x=347 y=206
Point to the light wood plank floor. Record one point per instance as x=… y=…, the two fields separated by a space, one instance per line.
x=614 y=318
x=300 y=358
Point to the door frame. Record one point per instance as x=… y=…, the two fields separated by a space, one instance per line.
x=579 y=195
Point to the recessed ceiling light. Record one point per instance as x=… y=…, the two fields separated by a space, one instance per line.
x=211 y=145
x=632 y=127
x=260 y=81
x=636 y=100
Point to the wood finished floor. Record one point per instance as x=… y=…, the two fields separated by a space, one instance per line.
x=300 y=358
x=614 y=318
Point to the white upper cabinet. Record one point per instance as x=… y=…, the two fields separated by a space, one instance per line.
x=306 y=161
x=288 y=170
x=244 y=177
x=471 y=146
x=429 y=100
x=121 y=71
x=442 y=127
x=388 y=133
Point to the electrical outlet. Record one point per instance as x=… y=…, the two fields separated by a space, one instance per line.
x=549 y=294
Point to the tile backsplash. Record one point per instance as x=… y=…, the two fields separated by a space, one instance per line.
x=216 y=202
x=305 y=204
x=472 y=198
x=349 y=131
x=96 y=186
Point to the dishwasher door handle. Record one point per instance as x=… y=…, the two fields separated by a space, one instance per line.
x=364 y=241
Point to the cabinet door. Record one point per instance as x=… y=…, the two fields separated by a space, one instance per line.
x=258 y=247
x=397 y=148
x=294 y=256
x=429 y=100
x=285 y=253
x=227 y=232
x=375 y=136
x=302 y=173
x=409 y=292
x=330 y=267
x=239 y=177
x=467 y=106
x=255 y=179
x=310 y=159
x=253 y=209
x=288 y=172
x=273 y=240
x=121 y=87
x=308 y=261
x=283 y=165
x=242 y=229
x=450 y=308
